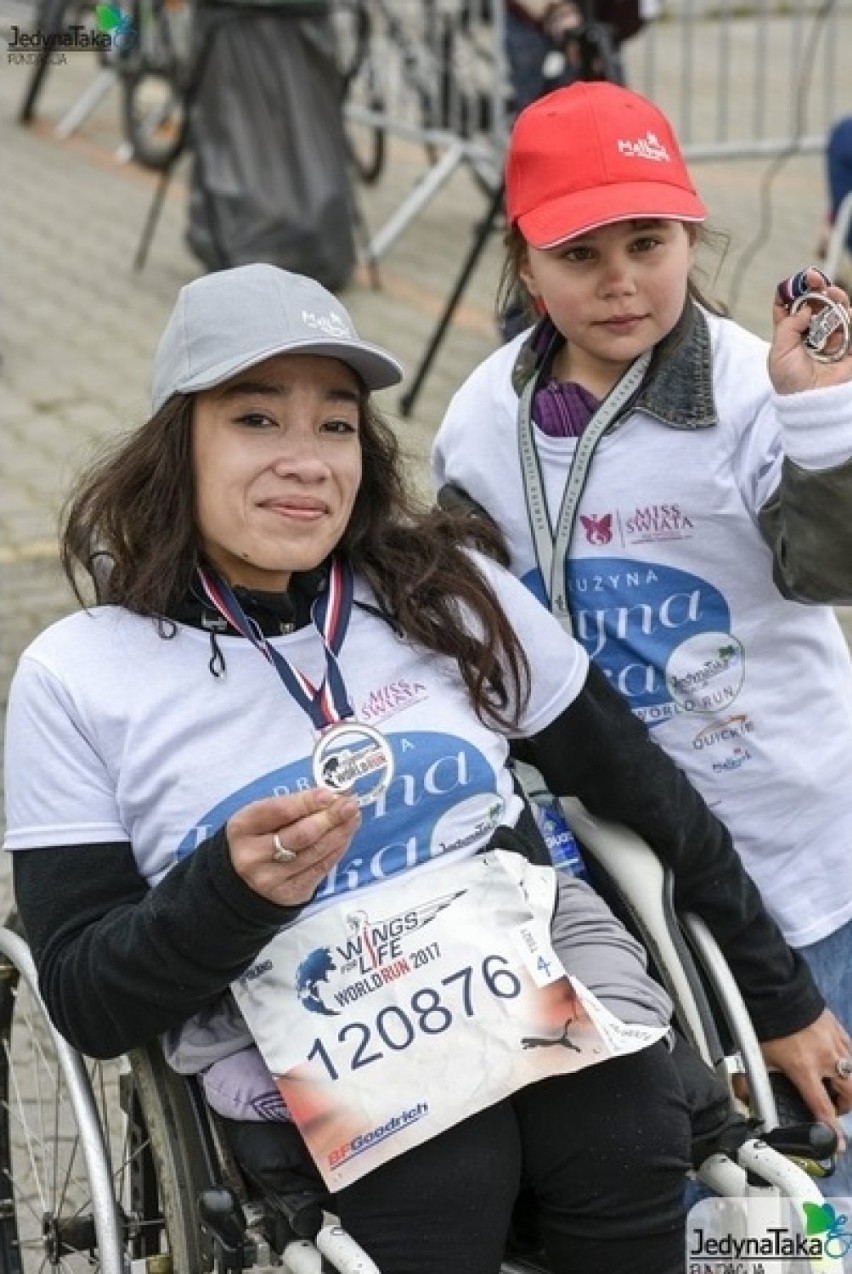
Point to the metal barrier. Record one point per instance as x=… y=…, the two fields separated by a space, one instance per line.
x=746 y=79
x=737 y=80
x=431 y=71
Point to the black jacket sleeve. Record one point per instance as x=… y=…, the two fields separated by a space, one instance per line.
x=598 y=751
x=806 y=524
x=119 y=962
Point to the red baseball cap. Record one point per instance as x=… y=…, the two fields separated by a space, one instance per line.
x=592 y=153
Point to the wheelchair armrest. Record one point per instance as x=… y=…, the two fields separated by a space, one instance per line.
x=645 y=888
x=738 y=1021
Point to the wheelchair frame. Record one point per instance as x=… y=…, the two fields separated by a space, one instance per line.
x=103 y=1164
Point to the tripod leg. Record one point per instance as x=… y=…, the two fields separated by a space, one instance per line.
x=52 y=22
x=152 y=219
x=483 y=232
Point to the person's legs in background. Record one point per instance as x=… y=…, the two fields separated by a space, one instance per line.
x=839 y=166
x=526 y=49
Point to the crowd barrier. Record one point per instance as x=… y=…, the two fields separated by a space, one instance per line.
x=738 y=80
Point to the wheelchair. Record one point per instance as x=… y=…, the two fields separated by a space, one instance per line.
x=120 y=1167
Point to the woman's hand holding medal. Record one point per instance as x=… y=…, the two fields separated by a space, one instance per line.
x=284 y=846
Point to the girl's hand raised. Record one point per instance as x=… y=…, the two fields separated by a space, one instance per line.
x=812 y=339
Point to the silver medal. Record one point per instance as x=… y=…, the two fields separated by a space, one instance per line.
x=355 y=758
x=829 y=317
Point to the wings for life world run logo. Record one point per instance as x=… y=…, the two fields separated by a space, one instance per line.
x=370 y=956
x=111 y=32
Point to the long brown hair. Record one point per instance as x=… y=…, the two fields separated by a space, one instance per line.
x=135 y=507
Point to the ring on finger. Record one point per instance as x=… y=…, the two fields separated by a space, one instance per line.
x=843 y=1067
x=280 y=853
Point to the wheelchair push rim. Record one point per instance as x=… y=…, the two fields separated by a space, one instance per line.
x=81 y=1185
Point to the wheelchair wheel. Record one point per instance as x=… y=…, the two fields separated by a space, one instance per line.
x=98 y=1168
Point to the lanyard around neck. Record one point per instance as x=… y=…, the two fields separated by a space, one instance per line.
x=551 y=550
x=330 y=612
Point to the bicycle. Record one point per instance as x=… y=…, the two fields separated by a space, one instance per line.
x=55 y=20
x=147 y=57
x=444 y=64
x=154 y=81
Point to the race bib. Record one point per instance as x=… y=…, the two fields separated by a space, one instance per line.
x=398 y=1013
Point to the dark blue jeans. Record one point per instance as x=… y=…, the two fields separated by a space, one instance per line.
x=839 y=165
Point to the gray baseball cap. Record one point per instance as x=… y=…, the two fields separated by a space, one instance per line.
x=226 y=322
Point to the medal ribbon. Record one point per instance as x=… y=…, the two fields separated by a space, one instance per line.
x=330 y=612
x=552 y=546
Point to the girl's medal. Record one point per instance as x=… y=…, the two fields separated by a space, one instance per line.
x=829 y=335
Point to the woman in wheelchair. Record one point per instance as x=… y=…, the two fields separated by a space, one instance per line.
x=258 y=796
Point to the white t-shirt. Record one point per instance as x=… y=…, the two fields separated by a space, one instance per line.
x=671 y=587
x=157 y=751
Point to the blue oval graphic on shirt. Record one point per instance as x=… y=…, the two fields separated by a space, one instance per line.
x=639 y=622
x=442 y=798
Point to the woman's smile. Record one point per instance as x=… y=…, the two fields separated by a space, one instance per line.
x=298 y=508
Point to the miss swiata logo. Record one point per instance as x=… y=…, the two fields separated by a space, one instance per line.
x=396 y=696
x=642 y=525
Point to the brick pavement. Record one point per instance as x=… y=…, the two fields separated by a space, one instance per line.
x=80 y=325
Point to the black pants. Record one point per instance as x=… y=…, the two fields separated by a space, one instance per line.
x=603 y=1152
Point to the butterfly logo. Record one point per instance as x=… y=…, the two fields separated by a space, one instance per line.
x=113 y=22
x=821 y=1219
x=598 y=530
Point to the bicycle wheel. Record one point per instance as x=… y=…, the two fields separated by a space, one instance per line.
x=97 y=1164
x=365 y=141
x=154 y=117
x=153 y=73
x=362 y=97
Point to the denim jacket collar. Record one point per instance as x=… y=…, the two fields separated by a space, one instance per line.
x=678 y=389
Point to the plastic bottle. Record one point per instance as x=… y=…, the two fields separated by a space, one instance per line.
x=561 y=842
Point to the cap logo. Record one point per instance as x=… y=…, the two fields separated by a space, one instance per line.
x=331 y=324
x=647 y=147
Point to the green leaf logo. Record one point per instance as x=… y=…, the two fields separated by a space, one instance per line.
x=820 y=1218
x=108 y=17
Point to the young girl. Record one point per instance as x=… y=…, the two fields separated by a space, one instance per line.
x=680 y=546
